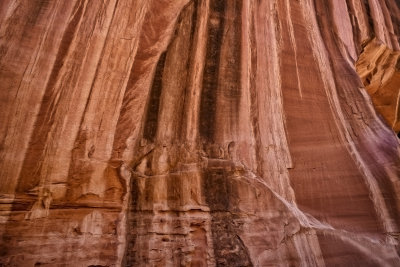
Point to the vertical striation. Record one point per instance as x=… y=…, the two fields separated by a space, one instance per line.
x=199 y=133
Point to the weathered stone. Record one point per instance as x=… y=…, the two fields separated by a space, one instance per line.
x=199 y=133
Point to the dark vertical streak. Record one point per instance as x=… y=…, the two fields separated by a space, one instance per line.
x=138 y=223
x=369 y=16
x=221 y=195
x=223 y=59
x=210 y=77
x=232 y=77
x=132 y=224
x=150 y=125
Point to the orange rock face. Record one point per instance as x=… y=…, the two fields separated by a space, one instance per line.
x=379 y=69
x=199 y=133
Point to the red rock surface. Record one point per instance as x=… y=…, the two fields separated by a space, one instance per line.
x=199 y=133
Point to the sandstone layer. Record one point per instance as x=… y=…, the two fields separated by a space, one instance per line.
x=199 y=133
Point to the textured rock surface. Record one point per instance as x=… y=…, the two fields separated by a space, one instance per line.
x=379 y=69
x=203 y=132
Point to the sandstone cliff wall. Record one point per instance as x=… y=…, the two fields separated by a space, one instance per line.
x=199 y=133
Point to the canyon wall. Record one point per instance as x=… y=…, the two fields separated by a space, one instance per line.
x=199 y=133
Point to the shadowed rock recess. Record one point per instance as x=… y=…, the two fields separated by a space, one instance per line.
x=199 y=133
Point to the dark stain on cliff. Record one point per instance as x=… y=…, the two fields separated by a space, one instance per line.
x=231 y=73
x=369 y=16
x=150 y=125
x=210 y=77
x=222 y=71
x=221 y=193
x=132 y=224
